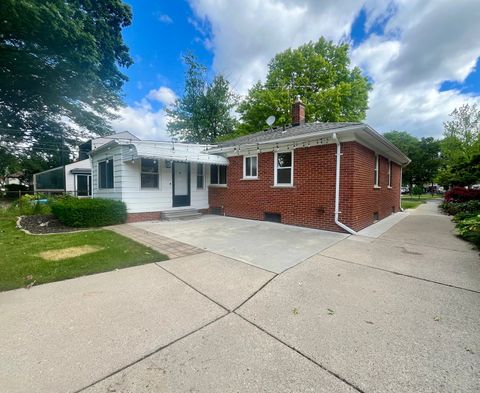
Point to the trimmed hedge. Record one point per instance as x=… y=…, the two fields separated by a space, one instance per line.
x=76 y=212
x=460 y=194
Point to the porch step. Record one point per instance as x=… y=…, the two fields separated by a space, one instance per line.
x=180 y=214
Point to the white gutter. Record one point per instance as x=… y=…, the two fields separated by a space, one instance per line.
x=337 y=188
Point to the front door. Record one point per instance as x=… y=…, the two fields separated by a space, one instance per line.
x=181 y=184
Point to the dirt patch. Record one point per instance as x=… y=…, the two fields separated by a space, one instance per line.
x=44 y=224
x=71 y=252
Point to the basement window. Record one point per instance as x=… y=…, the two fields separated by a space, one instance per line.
x=272 y=217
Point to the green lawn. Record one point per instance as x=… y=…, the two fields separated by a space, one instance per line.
x=20 y=263
x=412 y=202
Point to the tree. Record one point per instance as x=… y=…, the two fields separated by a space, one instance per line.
x=461 y=147
x=204 y=113
x=320 y=73
x=424 y=154
x=59 y=72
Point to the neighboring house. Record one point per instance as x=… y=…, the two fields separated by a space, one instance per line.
x=74 y=178
x=333 y=176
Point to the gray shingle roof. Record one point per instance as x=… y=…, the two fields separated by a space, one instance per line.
x=289 y=131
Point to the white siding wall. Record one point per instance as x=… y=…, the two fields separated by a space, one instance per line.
x=116 y=191
x=127 y=184
x=158 y=199
x=70 y=178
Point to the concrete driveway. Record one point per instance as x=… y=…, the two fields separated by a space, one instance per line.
x=270 y=246
x=393 y=313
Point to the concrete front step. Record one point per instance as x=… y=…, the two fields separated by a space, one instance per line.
x=180 y=214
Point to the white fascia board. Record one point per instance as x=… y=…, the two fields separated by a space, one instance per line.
x=294 y=138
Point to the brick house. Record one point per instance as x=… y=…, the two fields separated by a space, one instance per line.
x=295 y=176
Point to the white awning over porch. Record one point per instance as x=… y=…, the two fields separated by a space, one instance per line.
x=181 y=152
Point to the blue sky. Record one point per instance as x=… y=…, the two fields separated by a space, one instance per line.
x=422 y=58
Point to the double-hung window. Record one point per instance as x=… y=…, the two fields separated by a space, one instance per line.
x=250 y=167
x=284 y=169
x=218 y=174
x=390 y=166
x=200 y=176
x=105 y=173
x=376 y=171
x=149 y=173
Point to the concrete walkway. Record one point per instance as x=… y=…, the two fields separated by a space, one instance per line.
x=396 y=313
x=167 y=246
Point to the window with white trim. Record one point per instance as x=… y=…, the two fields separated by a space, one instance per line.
x=149 y=173
x=218 y=174
x=105 y=173
x=390 y=166
x=284 y=168
x=200 y=176
x=376 y=171
x=250 y=167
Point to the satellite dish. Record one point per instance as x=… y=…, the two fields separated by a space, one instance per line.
x=270 y=120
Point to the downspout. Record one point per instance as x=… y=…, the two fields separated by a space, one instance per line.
x=400 y=187
x=337 y=189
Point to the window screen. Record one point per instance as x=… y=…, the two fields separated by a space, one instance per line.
x=149 y=173
x=105 y=173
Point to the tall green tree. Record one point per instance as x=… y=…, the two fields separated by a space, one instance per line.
x=461 y=147
x=320 y=73
x=204 y=113
x=424 y=154
x=60 y=74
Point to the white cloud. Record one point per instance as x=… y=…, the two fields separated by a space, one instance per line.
x=164 y=18
x=164 y=95
x=143 y=120
x=246 y=34
x=425 y=43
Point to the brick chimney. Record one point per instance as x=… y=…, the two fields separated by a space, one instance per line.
x=298 y=112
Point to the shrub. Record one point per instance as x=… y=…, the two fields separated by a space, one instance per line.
x=460 y=194
x=417 y=190
x=469 y=229
x=28 y=205
x=452 y=208
x=77 y=212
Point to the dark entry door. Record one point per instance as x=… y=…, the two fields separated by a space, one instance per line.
x=84 y=185
x=181 y=184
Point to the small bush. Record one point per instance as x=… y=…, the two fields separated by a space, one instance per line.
x=460 y=194
x=453 y=208
x=417 y=191
x=469 y=229
x=29 y=205
x=77 y=212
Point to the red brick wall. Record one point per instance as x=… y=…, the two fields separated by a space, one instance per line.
x=311 y=201
x=145 y=216
x=366 y=199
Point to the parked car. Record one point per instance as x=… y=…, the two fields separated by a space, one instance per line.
x=405 y=190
